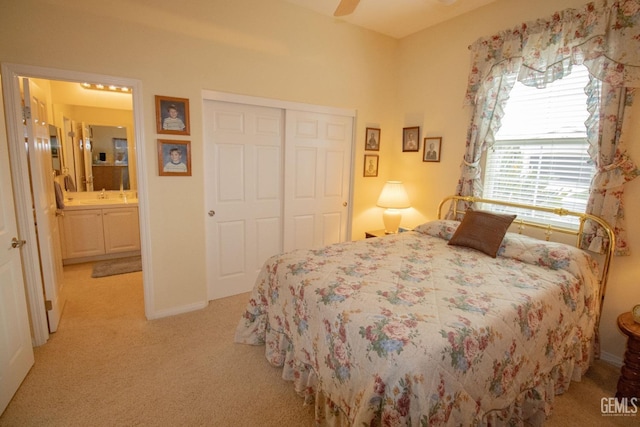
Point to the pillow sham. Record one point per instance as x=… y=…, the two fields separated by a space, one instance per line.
x=443 y=228
x=554 y=255
x=482 y=231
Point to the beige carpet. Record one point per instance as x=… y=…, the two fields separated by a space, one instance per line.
x=108 y=366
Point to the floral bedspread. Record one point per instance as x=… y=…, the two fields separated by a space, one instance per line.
x=407 y=330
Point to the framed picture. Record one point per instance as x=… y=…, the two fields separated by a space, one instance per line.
x=172 y=115
x=372 y=142
x=411 y=139
x=370 y=165
x=432 y=147
x=174 y=158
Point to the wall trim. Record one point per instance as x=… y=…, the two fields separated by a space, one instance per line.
x=178 y=310
x=10 y=73
x=612 y=359
x=212 y=95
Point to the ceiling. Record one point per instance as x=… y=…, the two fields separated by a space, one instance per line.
x=396 y=18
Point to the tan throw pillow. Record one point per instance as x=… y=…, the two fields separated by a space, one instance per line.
x=482 y=231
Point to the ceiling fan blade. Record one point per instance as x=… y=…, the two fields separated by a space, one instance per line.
x=346 y=7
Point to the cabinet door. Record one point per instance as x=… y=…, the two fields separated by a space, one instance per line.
x=83 y=234
x=121 y=230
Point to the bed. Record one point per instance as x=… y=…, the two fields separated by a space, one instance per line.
x=408 y=329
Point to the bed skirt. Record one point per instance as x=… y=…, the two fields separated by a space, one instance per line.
x=531 y=408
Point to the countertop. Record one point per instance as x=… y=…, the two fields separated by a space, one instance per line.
x=77 y=204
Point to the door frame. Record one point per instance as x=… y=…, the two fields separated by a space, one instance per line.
x=22 y=191
x=212 y=95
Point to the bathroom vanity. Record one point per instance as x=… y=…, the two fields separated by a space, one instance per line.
x=95 y=229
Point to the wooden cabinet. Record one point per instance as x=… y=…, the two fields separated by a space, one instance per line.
x=629 y=381
x=109 y=177
x=95 y=232
x=375 y=233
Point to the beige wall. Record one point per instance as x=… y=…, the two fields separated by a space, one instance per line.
x=268 y=48
x=264 y=48
x=432 y=86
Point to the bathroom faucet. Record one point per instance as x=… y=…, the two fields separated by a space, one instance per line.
x=102 y=195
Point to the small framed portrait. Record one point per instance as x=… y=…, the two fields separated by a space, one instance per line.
x=432 y=146
x=411 y=138
x=174 y=158
x=372 y=142
x=172 y=115
x=370 y=165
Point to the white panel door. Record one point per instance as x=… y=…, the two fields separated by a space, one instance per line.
x=44 y=202
x=16 y=352
x=317 y=175
x=243 y=193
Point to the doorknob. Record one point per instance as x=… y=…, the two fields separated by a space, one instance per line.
x=212 y=212
x=344 y=204
x=15 y=243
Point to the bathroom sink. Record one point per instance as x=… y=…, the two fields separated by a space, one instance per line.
x=104 y=201
x=90 y=202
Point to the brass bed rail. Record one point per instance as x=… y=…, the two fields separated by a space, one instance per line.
x=582 y=217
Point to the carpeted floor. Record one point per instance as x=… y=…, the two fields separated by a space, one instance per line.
x=108 y=366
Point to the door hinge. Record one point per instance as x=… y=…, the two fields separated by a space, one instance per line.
x=26 y=113
x=48 y=305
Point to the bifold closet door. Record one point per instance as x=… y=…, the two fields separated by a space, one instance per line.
x=243 y=193
x=317 y=176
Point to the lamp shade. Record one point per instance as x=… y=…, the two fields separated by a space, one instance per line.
x=394 y=196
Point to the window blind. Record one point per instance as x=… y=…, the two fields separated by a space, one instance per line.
x=540 y=154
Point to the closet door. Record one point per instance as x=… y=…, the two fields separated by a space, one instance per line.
x=317 y=176
x=243 y=193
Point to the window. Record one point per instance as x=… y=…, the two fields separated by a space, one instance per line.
x=540 y=155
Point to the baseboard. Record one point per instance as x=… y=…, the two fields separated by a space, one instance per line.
x=611 y=358
x=178 y=310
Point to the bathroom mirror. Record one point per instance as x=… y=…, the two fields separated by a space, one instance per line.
x=110 y=158
x=98 y=157
x=96 y=136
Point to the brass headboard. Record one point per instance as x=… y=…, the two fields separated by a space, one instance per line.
x=582 y=217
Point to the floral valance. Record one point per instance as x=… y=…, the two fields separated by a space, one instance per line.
x=603 y=35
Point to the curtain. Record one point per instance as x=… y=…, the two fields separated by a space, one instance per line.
x=603 y=35
x=613 y=165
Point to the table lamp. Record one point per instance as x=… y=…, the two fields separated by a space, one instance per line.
x=393 y=198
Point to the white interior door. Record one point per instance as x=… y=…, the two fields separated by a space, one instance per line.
x=317 y=176
x=44 y=203
x=243 y=193
x=16 y=351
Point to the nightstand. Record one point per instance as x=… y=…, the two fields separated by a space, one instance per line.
x=629 y=382
x=375 y=233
